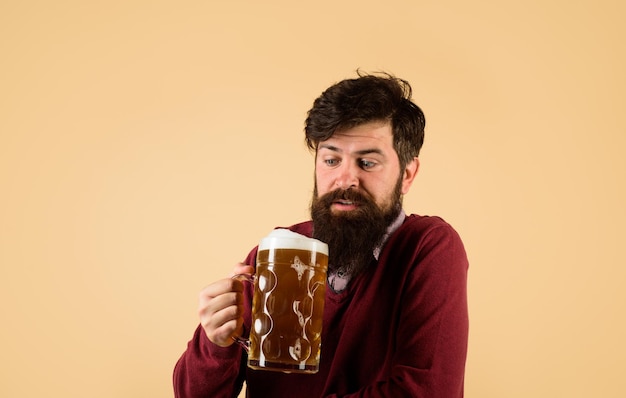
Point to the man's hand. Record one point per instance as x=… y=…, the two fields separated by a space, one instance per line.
x=221 y=308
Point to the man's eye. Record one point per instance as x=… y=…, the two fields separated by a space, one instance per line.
x=366 y=164
x=331 y=162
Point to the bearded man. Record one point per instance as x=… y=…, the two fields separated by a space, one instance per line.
x=395 y=312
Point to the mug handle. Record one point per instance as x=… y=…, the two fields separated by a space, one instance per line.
x=245 y=343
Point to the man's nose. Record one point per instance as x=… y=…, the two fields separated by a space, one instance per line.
x=348 y=176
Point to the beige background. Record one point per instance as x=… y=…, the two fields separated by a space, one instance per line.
x=138 y=138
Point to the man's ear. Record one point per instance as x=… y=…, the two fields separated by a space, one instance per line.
x=410 y=171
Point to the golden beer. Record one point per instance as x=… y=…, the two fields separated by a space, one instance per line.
x=288 y=304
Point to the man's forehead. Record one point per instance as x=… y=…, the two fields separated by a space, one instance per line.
x=370 y=135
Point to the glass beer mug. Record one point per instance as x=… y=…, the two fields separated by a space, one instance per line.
x=288 y=303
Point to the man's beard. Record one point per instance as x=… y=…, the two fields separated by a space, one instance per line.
x=353 y=235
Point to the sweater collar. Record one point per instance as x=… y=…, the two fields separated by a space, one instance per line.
x=390 y=230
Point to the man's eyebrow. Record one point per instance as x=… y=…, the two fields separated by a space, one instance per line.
x=329 y=147
x=370 y=151
x=360 y=152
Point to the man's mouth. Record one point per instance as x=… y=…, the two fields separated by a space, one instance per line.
x=344 y=205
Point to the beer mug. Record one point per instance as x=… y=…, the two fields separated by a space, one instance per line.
x=288 y=303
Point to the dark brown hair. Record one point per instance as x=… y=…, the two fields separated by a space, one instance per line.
x=370 y=97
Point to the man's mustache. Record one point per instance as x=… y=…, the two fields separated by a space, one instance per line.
x=351 y=195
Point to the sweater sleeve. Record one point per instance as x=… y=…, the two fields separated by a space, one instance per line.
x=429 y=346
x=207 y=370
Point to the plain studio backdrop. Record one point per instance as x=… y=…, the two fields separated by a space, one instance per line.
x=146 y=147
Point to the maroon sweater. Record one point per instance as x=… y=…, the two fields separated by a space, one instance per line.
x=399 y=329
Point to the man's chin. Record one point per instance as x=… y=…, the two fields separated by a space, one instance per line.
x=341 y=207
x=341 y=211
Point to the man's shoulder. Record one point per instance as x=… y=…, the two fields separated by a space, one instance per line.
x=419 y=226
x=424 y=234
x=304 y=228
x=424 y=222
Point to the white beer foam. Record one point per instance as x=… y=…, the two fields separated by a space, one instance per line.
x=285 y=239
